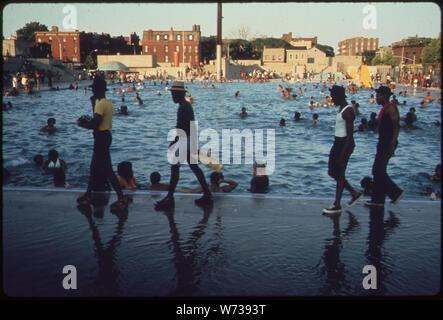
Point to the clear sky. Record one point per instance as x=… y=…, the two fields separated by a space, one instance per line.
x=330 y=22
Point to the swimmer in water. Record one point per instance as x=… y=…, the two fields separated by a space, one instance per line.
x=372 y=99
x=124 y=110
x=50 y=126
x=315 y=119
x=243 y=113
x=38 y=160
x=237 y=94
x=54 y=162
x=155 y=182
x=297 y=116
x=126 y=176
x=282 y=122
x=428 y=98
x=139 y=100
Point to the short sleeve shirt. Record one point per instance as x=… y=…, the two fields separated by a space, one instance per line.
x=105 y=108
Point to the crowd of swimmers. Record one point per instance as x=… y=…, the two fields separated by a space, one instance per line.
x=259 y=184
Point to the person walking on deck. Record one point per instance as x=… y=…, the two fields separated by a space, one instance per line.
x=342 y=149
x=389 y=125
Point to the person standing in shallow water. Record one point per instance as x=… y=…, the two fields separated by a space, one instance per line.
x=185 y=119
x=101 y=165
x=342 y=149
x=389 y=126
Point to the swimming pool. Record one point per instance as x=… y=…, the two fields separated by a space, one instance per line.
x=301 y=149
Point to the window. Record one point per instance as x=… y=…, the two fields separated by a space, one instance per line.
x=191 y=37
x=166 y=59
x=50 y=38
x=196 y=59
x=196 y=49
x=75 y=38
x=290 y=56
x=165 y=37
x=179 y=37
x=177 y=49
x=39 y=40
x=155 y=49
x=157 y=37
x=75 y=49
x=189 y=48
x=64 y=39
x=146 y=48
x=310 y=60
x=166 y=49
x=296 y=56
x=64 y=49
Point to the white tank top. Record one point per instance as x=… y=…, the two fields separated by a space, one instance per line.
x=340 y=124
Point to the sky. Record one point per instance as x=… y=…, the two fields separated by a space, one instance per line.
x=330 y=22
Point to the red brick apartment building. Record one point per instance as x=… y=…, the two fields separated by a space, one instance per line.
x=65 y=46
x=353 y=46
x=169 y=46
x=411 y=54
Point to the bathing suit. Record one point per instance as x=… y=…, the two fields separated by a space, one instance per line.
x=56 y=165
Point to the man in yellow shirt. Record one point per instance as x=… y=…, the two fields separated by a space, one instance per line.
x=101 y=166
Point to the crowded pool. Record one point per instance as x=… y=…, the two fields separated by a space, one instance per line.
x=301 y=148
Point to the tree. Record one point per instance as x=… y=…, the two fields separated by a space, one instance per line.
x=135 y=42
x=368 y=54
x=389 y=59
x=243 y=32
x=208 y=48
x=326 y=49
x=376 y=60
x=89 y=63
x=27 y=32
x=259 y=44
x=240 y=49
x=431 y=53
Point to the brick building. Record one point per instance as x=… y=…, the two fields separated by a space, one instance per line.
x=174 y=47
x=353 y=46
x=411 y=53
x=65 y=46
x=299 y=42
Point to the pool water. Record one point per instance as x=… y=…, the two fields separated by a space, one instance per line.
x=301 y=149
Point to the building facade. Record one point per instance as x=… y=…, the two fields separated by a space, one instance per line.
x=299 y=42
x=298 y=56
x=274 y=55
x=405 y=53
x=13 y=47
x=65 y=46
x=174 y=47
x=354 y=46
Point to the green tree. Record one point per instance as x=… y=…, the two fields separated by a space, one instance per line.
x=241 y=49
x=89 y=63
x=27 y=32
x=259 y=44
x=376 y=60
x=208 y=48
x=326 y=49
x=368 y=54
x=389 y=59
x=431 y=53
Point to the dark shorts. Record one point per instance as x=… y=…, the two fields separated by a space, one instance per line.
x=335 y=167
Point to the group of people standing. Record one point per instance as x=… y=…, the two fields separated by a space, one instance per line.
x=389 y=125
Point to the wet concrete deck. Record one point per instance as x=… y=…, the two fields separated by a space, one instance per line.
x=244 y=245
